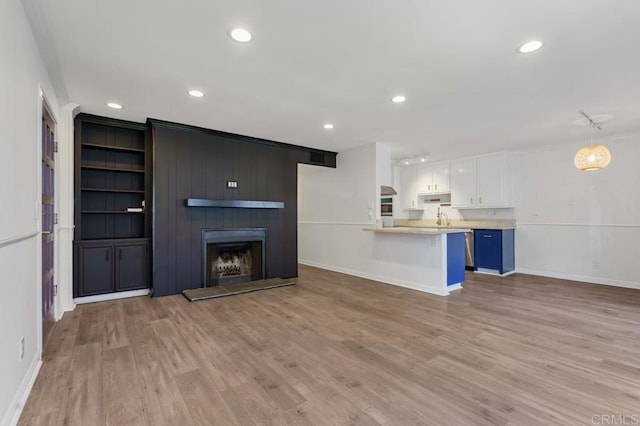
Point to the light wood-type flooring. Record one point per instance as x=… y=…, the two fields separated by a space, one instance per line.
x=337 y=350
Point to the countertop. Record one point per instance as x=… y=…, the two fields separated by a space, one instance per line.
x=457 y=224
x=416 y=230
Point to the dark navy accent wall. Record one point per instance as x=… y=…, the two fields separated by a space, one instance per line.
x=197 y=163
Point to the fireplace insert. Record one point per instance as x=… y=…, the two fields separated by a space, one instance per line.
x=232 y=256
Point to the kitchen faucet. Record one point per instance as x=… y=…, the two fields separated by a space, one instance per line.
x=443 y=219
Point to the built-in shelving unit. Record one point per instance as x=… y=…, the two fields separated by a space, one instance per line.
x=112 y=181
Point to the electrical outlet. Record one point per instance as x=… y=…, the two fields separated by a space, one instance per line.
x=22 y=348
x=596 y=264
x=232 y=184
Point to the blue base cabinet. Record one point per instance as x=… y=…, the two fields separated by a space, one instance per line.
x=494 y=250
x=455 y=258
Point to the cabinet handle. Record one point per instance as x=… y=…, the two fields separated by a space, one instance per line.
x=487 y=236
x=479 y=200
x=428 y=189
x=435 y=187
x=119 y=254
x=107 y=254
x=471 y=200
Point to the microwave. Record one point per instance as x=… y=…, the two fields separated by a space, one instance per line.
x=386 y=206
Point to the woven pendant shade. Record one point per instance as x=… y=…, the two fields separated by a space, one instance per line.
x=592 y=157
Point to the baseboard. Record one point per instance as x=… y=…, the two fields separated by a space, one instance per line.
x=454 y=287
x=14 y=412
x=380 y=278
x=111 y=296
x=493 y=272
x=582 y=278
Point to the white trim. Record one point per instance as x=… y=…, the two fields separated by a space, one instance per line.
x=454 y=287
x=18 y=238
x=337 y=223
x=586 y=225
x=493 y=272
x=66 y=226
x=111 y=296
x=379 y=278
x=580 y=278
x=14 y=412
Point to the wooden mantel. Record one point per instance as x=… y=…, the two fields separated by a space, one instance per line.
x=241 y=204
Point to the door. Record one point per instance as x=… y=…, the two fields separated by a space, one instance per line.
x=423 y=179
x=442 y=178
x=488 y=249
x=408 y=191
x=132 y=267
x=95 y=269
x=463 y=183
x=48 y=219
x=491 y=180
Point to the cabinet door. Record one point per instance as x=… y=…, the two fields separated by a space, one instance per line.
x=132 y=267
x=408 y=187
x=491 y=173
x=441 y=178
x=95 y=270
x=424 y=179
x=488 y=249
x=463 y=183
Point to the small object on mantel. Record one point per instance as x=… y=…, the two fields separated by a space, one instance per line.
x=135 y=210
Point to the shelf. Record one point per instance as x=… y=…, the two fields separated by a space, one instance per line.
x=109 y=212
x=112 y=169
x=113 y=148
x=243 y=204
x=126 y=191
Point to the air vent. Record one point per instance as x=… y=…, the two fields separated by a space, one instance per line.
x=316 y=157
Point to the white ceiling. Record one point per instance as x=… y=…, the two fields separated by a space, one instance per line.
x=339 y=61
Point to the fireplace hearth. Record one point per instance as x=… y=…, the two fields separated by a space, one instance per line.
x=232 y=256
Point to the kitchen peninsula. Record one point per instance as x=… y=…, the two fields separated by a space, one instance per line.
x=425 y=259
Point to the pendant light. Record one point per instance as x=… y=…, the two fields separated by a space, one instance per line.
x=592 y=157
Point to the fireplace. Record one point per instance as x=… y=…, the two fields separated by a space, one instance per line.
x=232 y=256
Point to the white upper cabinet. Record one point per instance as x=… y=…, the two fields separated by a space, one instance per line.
x=463 y=182
x=408 y=188
x=424 y=178
x=434 y=178
x=441 y=178
x=481 y=182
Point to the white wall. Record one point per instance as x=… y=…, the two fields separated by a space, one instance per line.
x=22 y=74
x=335 y=204
x=578 y=225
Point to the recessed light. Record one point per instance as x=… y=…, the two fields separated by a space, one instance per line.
x=328 y=126
x=422 y=160
x=114 y=105
x=406 y=162
x=530 y=46
x=195 y=93
x=240 y=35
x=398 y=99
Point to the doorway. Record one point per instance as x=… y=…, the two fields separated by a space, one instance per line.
x=48 y=221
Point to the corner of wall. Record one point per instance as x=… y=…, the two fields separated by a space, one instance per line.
x=22 y=393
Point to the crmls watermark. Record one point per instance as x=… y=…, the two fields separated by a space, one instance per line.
x=615 y=419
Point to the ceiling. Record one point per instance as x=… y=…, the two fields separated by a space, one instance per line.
x=313 y=62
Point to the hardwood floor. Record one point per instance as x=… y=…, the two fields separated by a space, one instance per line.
x=337 y=349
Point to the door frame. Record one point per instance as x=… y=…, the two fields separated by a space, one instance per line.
x=43 y=105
